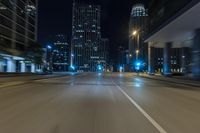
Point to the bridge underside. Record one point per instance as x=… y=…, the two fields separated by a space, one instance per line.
x=183 y=31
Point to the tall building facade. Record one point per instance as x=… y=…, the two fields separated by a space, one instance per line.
x=86 y=37
x=18 y=31
x=60 y=53
x=123 y=59
x=169 y=30
x=104 y=53
x=138 y=26
x=177 y=60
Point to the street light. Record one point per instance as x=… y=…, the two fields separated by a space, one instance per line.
x=137 y=53
x=49 y=57
x=136 y=38
x=72 y=67
x=100 y=68
x=121 y=69
x=135 y=33
x=137 y=66
x=49 y=47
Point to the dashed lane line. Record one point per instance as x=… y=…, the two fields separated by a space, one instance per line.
x=144 y=113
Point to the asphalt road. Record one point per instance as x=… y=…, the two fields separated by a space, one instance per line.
x=99 y=103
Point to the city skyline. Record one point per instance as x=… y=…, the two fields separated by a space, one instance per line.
x=86 y=37
x=99 y=66
x=114 y=20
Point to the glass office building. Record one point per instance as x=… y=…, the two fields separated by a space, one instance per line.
x=18 y=31
x=86 y=37
x=60 y=53
x=104 y=53
x=138 y=24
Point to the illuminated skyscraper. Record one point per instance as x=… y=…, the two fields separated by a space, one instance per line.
x=138 y=26
x=60 y=53
x=86 y=37
x=104 y=53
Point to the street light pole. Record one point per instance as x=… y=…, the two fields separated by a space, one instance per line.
x=50 y=59
x=137 y=54
x=137 y=35
x=138 y=46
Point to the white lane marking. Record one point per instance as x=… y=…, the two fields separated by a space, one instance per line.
x=151 y=120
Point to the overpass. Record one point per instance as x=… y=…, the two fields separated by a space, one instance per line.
x=181 y=30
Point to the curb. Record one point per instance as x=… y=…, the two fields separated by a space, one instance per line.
x=26 y=82
x=171 y=81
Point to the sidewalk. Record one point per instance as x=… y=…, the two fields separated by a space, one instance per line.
x=176 y=80
x=34 y=74
x=13 y=77
x=16 y=74
x=18 y=79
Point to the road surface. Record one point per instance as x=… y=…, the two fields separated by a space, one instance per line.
x=99 y=103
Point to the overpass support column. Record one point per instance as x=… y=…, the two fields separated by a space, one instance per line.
x=167 y=59
x=23 y=67
x=196 y=55
x=151 y=59
x=11 y=65
x=32 y=68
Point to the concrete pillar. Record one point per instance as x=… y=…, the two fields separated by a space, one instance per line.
x=151 y=59
x=196 y=55
x=11 y=65
x=23 y=67
x=1 y=65
x=33 y=68
x=167 y=59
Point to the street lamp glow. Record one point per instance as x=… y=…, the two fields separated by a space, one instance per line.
x=49 y=47
x=120 y=68
x=137 y=51
x=72 y=67
x=134 y=33
x=99 y=67
x=138 y=64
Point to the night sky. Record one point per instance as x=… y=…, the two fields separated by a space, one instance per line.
x=55 y=17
